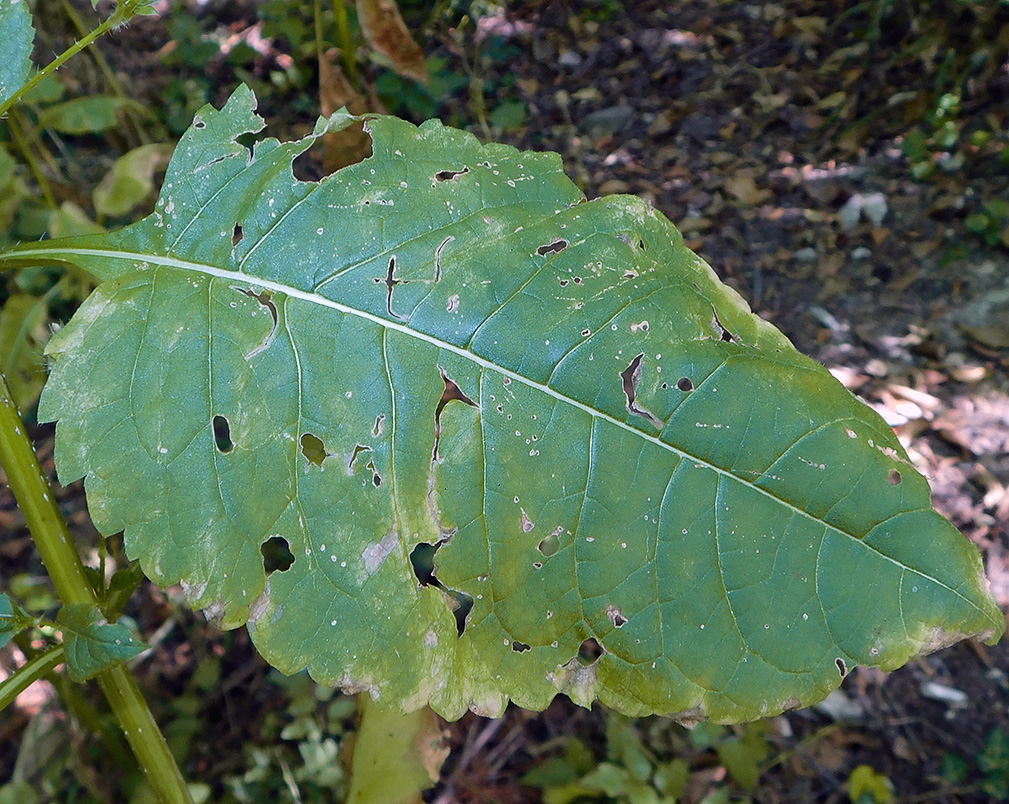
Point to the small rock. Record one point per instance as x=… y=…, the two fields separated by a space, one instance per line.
x=807 y=254
x=611 y=120
x=860 y=253
x=871 y=206
x=569 y=59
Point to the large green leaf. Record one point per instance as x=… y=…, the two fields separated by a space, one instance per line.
x=446 y=344
x=17 y=36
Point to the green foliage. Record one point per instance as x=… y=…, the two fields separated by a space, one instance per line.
x=866 y=786
x=12 y=620
x=91 y=644
x=18 y=36
x=405 y=96
x=724 y=508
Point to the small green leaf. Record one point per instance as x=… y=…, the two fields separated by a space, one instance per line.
x=88 y=115
x=91 y=644
x=12 y=620
x=509 y=115
x=23 y=334
x=954 y=768
x=995 y=754
x=997 y=786
x=742 y=756
x=47 y=90
x=17 y=35
x=130 y=180
x=865 y=781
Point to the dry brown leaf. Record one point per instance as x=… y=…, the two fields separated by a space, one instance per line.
x=385 y=30
x=347 y=147
x=742 y=187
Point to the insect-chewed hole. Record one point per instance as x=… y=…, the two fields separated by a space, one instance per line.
x=520 y=647
x=550 y=545
x=422 y=561
x=894 y=477
x=462 y=606
x=842 y=666
x=685 y=384
x=589 y=652
x=555 y=247
x=448 y=175
x=313 y=448
x=222 y=435
x=236 y=235
x=616 y=616
x=277 y=555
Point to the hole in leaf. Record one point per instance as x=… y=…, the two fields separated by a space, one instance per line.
x=589 y=652
x=390 y=281
x=379 y=425
x=642 y=245
x=550 y=545
x=198 y=122
x=616 y=616
x=313 y=448
x=630 y=377
x=451 y=393
x=720 y=328
x=237 y=235
x=376 y=478
x=520 y=647
x=464 y=605
x=358 y=449
x=448 y=175
x=684 y=384
x=277 y=555
x=422 y=562
x=222 y=435
x=553 y=248
x=437 y=257
x=265 y=298
x=842 y=667
x=894 y=477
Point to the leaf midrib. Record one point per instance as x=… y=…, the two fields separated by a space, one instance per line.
x=315 y=298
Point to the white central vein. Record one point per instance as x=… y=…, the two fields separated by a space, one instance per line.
x=396 y=326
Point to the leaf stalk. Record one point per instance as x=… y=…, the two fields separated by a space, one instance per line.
x=52 y=537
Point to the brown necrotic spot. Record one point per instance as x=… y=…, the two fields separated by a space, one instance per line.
x=277 y=555
x=222 y=435
x=555 y=247
x=630 y=377
x=313 y=448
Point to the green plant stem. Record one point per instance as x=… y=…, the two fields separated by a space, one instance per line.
x=55 y=545
x=28 y=674
x=348 y=48
x=110 y=78
x=122 y=14
x=14 y=124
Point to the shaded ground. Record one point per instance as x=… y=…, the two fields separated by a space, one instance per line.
x=718 y=114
